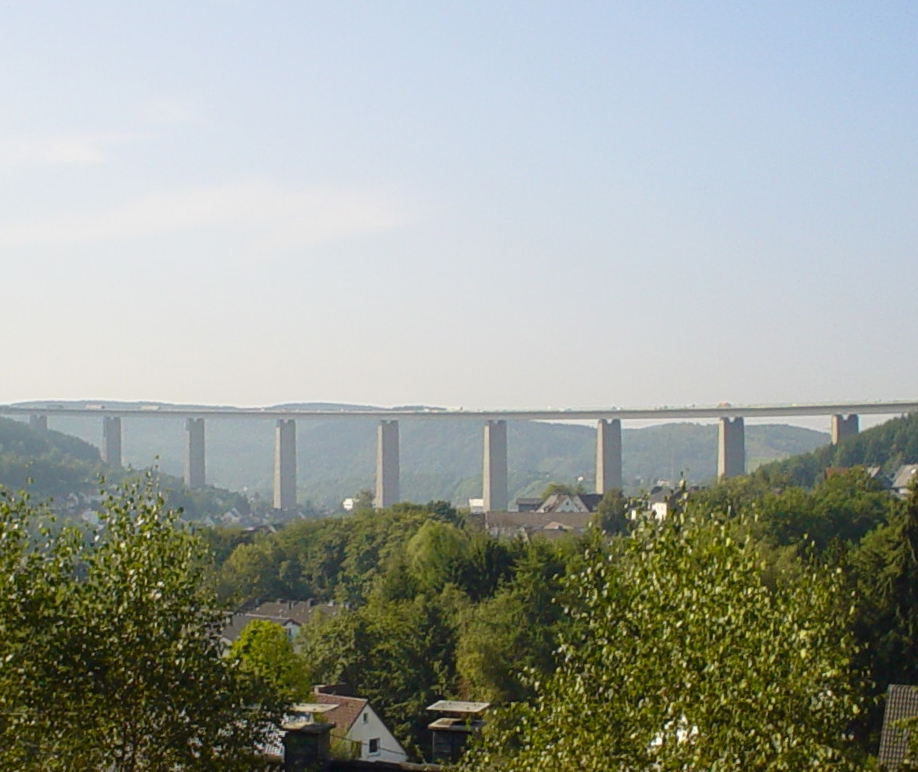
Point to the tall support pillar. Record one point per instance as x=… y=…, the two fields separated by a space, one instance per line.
x=844 y=427
x=194 y=452
x=38 y=422
x=608 y=454
x=285 y=464
x=495 y=493
x=111 y=441
x=731 y=447
x=387 y=464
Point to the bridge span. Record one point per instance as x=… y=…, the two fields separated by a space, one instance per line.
x=731 y=449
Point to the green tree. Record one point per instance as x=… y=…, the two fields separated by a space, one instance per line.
x=884 y=570
x=612 y=512
x=507 y=639
x=679 y=657
x=398 y=654
x=110 y=648
x=556 y=487
x=263 y=650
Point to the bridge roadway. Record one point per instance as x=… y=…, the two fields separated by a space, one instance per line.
x=731 y=453
x=724 y=410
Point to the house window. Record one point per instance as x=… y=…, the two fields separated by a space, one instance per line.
x=374 y=746
x=366 y=718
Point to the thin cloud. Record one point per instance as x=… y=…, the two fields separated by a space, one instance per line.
x=64 y=149
x=272 y=216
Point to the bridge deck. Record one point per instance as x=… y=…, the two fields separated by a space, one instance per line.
x=718 y=411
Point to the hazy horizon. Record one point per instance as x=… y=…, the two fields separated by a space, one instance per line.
x=484 y=205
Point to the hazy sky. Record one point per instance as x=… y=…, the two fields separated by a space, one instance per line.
x=485 y=204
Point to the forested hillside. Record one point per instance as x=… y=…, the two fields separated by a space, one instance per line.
x=439 y=459
x=50 y=464
x=887 y=446
x=47 y=463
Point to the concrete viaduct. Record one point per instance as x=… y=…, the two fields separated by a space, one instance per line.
x=731 y=444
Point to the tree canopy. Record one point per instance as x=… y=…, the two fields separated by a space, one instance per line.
x=681 y=657
x=109 y=647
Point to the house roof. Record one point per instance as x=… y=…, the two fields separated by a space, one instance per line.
x=536 y=520
x=238 y=621
x=345 y=712
x=298 y=611
x=583 y=502
x=459 y=706
x=901 y=703
x=904 y=476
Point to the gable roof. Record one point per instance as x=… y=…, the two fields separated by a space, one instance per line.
x=901 y=703
x=566 y=502
x=345 y=712
x=237 y=622
x=298 y=611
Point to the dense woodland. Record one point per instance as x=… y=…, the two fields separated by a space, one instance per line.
x=756 y=628
x=437 y=608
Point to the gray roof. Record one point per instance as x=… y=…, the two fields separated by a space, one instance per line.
x=905 y=474
x=901 y=703
x=586 y=502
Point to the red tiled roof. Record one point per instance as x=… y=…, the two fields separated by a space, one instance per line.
x=346 y=711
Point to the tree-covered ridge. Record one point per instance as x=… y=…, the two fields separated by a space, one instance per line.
x=46 y=462
x=887 y=446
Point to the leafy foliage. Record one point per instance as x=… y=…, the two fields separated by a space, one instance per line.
x=111 y=658
x=398 y=654
x=680 y=657
x=264 y=651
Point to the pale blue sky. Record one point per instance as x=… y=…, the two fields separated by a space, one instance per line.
x=481 y=204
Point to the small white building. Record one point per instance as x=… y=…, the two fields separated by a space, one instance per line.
x=356 y=722
x=905 y=476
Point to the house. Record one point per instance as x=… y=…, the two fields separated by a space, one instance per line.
x=530 y=524
x=528 y=504
x=904 y=478
x=563 y=503
x=289 y=614
x=901 y=704
x=358 y=725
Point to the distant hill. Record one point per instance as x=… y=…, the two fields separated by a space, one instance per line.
x=439 y=460
x=46 y=463
x=887 y=446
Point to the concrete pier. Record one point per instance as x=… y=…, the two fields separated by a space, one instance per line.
x=731 y=448
x=194 y=452
x=111 y=441
x=38 y=422
x=285 y=464
x=494 y=477
x=844 y=427
x=608 y=454
x=387 y=464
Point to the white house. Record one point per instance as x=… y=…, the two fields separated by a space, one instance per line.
x=355 y=720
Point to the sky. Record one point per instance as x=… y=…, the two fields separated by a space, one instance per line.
x=479 y=204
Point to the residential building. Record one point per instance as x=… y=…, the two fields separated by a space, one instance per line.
x=357 y=724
